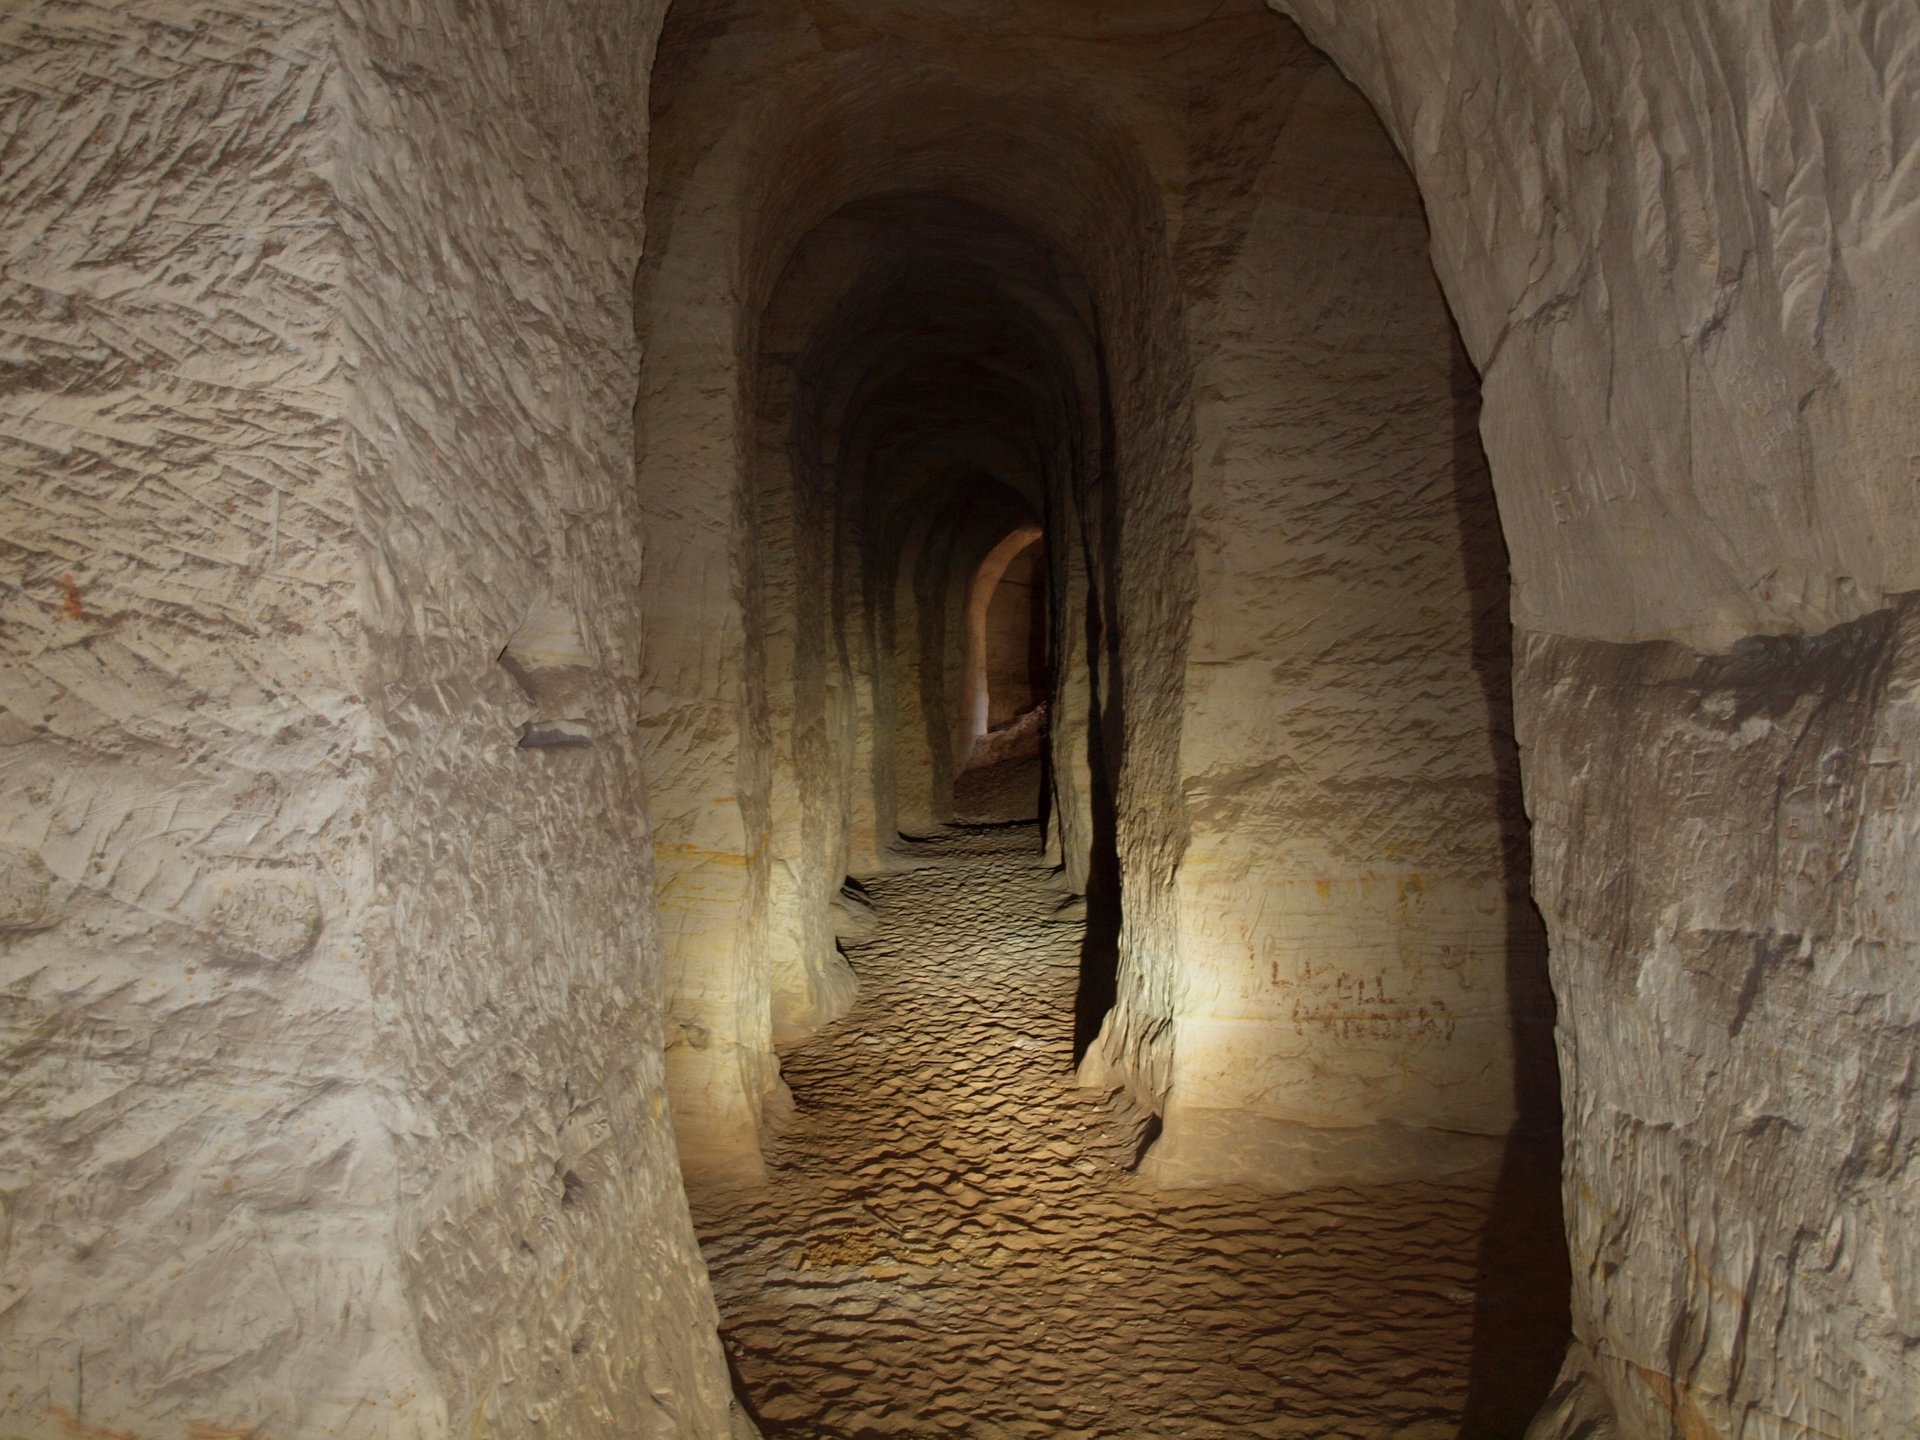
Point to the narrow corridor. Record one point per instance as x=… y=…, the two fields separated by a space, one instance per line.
x=952 y=1243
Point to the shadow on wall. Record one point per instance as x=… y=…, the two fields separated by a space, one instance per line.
x=1100 y=949
x=1522 y=1285
x=1106 y=730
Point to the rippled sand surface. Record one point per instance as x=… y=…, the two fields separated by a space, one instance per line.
x=952 y=1241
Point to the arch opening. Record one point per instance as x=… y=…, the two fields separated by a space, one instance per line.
x=1006 y=636
x=1280 y=781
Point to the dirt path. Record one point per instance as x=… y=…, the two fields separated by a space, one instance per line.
x=952 y=1243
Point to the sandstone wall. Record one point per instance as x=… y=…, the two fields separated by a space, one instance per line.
x=321 y=986
x=736 y=188
x=1201 y=851
x=989 y=524
x=334 y=1100
x=1738 y=1035
x=1361 y=987
x=703 y=751
x=1675 y=239
x=198 y=1202
x=807 y=684
x=492 y=220
x=1012 y=678
x=928 y=620
x=874 y=421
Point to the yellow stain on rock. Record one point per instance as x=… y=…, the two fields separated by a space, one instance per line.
x=72 y=1424
x=1690 y=1422
x=701 y=853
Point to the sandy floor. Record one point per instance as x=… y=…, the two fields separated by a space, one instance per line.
x=952 y=1242
x=1008 y=790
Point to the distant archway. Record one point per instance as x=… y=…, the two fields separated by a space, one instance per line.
x=1004 y=676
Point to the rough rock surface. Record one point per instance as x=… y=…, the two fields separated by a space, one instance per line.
x=198 y=1167
x=1677 y=238
x=1743 y=1182
x=1678 y=241
x=876 y=460
x=1240 y=429
x=1006 y=638
x=333 y=1093
x=511 y=946
x=1355 y=982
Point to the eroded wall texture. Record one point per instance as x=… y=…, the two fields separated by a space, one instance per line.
x=334 y=1094
x=735 y=189
x=1673 y=239
x=1359 y=986
x=1678 y=242
x=331 y=1049
x=493 y=221
x=199 y=1152
x=1010 y=673
x=1740 y=1196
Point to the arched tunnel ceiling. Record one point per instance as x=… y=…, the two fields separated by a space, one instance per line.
x=948 y=351
x=1692 y=505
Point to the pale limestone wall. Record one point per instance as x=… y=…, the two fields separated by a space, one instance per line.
x=1726 y=858
x=198 y=1175
x=852 y=387
x=321 y=988
x=806 y=683
x=492 y=217
x=939 y=549
x=876 y=321
x=887 y=108
x=914 y=683
x=984 y=525
x=1072 y=591
x=703 y=751
x=1353 y=943
x=1678 y=240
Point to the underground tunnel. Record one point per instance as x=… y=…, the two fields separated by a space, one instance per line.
x=1281 y=792
x=809 y=717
